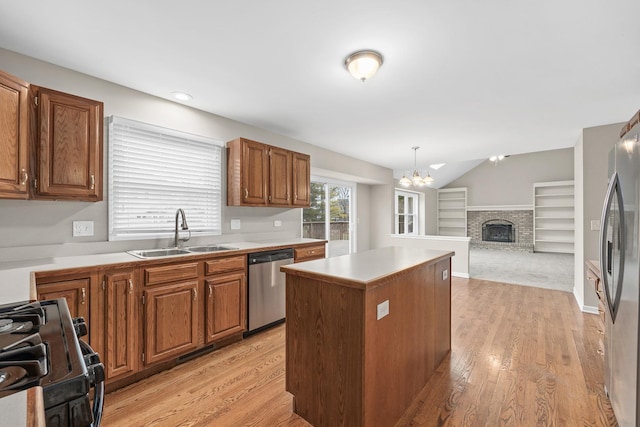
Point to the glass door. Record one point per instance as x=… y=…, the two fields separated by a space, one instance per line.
x=329 y=216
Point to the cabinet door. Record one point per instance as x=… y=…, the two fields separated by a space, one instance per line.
x=226 y=306
x=14 y=131
x=69 y=147
x=255 y=172
x=75 y=291
x=120 y=325
x=171 y=320
x=301 y=180
x=279 y=176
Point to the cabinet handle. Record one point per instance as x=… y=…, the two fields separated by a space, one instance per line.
x=130 y=286
x=84 y=296
x=25 y=177
x=93 y=182
x=295 y=196
x=210 y=291
x=246 y=193
x=195 y=294
x=312 y=252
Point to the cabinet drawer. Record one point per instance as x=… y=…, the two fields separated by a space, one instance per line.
x=309 y=253
x=224 y=265
x=170 y=273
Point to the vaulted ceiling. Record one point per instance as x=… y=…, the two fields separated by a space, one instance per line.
x=461 y=79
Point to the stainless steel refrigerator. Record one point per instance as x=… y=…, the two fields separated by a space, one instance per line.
x=620 y=266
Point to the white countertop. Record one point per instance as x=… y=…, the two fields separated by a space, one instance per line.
x=364 y=268
x=17 y=281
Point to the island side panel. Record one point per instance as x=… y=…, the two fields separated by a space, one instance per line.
x=324 y=345
x=399 y=348
x=443 y=310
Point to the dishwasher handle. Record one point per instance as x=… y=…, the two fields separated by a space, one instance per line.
x=270 y=256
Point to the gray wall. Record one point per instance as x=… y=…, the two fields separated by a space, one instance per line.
x=592 y=151
x=510 y=182
x=41 y=229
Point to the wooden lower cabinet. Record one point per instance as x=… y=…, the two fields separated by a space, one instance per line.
x=226 y=306
x=75 y=291
x=120 y=323
x=309 y=253
x=171 y=321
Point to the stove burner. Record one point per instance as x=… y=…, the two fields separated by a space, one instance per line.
x=5 y=324
x=11 y=375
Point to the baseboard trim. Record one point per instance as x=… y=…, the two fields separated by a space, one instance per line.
x=589 y=309
x=463 y=275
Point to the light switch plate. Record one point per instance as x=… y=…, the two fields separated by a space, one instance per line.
x=235 y=224
x=595 y=224
x=277 y=223
x=383 y=309
x=82 y=228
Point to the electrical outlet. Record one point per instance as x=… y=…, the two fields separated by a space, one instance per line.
x=277 y=223
x=235 y=224
x=82 y=228
x=445 y=274
x=383 y=309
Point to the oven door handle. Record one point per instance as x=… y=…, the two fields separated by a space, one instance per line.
x=96 y=373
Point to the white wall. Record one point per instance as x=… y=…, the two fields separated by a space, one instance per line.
x=39 y=229
x=510 y=182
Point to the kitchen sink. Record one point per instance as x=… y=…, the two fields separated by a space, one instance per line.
x=155 y=253
x=209 y=248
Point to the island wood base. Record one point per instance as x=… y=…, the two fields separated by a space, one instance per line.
x=346 y=368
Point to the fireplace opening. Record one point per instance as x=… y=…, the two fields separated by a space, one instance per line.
x=498 y=231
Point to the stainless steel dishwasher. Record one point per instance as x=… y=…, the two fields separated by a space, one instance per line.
x=266 y=288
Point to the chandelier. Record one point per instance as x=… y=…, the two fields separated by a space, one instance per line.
x=416 y=179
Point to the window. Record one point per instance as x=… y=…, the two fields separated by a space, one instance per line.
x=154 y=171
x=406 y=210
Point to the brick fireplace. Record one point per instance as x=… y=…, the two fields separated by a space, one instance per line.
x=510 y=230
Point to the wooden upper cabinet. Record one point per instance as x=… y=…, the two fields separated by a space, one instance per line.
x=262 y=175
x=14 y=137
x=301 y=180
x=280 y=167
x=69 y=147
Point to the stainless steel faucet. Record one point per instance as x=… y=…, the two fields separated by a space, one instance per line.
x=183 y=226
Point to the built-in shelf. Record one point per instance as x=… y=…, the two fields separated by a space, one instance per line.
x=452 y=212
x=554 y=217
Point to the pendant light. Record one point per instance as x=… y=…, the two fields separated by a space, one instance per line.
x=416 y=179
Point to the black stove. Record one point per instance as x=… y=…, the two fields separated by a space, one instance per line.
x=39 y=346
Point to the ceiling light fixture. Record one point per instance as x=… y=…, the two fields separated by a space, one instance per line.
x=363 y=64
x=496 y=159
x=182 y=96
x=416 y=180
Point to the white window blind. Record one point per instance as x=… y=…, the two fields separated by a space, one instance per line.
x=154 y=171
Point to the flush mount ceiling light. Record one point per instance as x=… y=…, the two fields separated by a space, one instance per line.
x=363 y=64
x=416 y=179
x=182 y=96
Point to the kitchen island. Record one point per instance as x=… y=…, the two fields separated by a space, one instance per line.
x=365 y=332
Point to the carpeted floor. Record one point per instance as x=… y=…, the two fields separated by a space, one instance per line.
x=543 y=270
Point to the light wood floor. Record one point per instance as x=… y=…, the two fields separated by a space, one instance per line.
x=521 y=356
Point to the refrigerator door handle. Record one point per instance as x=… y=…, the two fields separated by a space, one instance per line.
x=608 y=265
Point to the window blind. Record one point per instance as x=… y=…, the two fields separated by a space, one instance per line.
x=154 y=171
